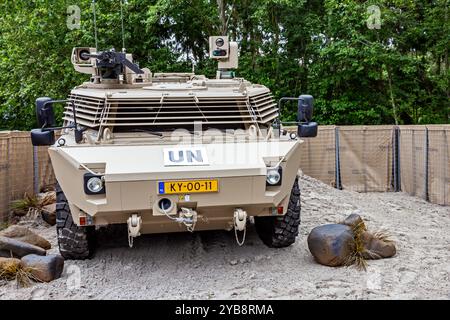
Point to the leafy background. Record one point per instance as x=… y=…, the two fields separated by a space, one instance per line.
x=396 y=74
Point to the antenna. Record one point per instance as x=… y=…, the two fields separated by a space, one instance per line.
x=123 y=32
x=95 y=26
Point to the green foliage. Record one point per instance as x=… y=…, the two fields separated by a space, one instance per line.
x=398 y=73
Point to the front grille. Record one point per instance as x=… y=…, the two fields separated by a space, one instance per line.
x=171 y=111
x=264 y=107
x=168 y=111
x=88 y=110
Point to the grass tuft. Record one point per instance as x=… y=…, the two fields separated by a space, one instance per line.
x=14 y=271
x=32 y=205
x=382 y=235
x=356 y=258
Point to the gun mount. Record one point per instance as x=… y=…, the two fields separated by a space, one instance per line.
x=108 y=67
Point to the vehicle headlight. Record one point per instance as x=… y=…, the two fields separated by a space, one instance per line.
x=273 y=177
x=93 y=184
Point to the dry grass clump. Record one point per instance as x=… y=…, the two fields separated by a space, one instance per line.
x=361 y=252
x=13 y=271
x=31 y=205
x=357 y=256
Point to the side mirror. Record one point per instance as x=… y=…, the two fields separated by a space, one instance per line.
x=40 y=137
x=44 y=112
x=305 y=108
x=307 y=130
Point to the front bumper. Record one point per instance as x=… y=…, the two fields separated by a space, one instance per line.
x=131 y=187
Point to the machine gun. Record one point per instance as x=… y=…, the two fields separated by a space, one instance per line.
x=111 y=64
x=104 y=65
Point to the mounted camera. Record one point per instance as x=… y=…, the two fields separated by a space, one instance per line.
x=226 y=52
x=219 y=47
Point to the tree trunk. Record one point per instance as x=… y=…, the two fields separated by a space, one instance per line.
x=223 y=19
x=391 y=94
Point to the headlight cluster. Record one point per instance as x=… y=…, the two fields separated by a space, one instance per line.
x=93 y=184
x=274 y=176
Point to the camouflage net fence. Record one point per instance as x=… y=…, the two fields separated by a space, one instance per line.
x=413 y=159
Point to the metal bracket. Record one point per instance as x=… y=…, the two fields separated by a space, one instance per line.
x=240 y=224
x=189 y=218
x=134 y=228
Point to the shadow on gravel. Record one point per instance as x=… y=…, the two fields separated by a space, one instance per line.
x=115 y=236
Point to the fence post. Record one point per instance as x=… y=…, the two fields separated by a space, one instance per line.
x=337 y=159
x=35 y=170
x=8 y=178
x=426 y=195
x=396 y=159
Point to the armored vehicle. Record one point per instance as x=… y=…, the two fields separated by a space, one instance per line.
x=171 y=152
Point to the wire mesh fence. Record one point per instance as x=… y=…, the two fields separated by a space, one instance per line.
x=45 y=175
x=318 y=158
x=23 y=169
x=20 y=165
x=4 y=174
x=439 y=164
x=358 y=158
x=366 y=158
x=413 y=160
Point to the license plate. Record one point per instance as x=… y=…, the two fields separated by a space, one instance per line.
x=188 y=186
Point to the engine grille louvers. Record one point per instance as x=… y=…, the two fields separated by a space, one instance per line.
x=265 y=107
x=170 y=111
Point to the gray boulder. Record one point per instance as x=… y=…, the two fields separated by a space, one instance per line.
x=331 y=244
x=375 y=248
x=354 y=220
x=43 y=268
x=18 y=249
x=24 y=234
x=49 y=214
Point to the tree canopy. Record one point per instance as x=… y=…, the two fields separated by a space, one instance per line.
x=365 y=62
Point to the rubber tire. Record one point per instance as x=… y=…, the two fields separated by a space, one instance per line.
x=75 y=243
x=280 y=232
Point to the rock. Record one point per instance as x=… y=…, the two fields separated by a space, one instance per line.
x=376 y=248
x=44 y=268
x=233 y=262
x=24 y=234
x=49 y=214
x=331 y=244
x=353 y=220
x=18 y=249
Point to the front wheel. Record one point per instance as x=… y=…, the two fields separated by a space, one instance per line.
x=279 y=232
x=75 y=243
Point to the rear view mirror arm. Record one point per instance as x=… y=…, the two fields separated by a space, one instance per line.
x=283 y=99
x=78 y=132
x=305 y=128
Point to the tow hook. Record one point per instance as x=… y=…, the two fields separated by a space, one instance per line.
x=240 y=224
x=188 y=217
x=134 y=228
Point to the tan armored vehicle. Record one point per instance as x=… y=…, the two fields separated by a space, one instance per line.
x=171 y=152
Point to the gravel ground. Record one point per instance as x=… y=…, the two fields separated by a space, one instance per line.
x=210 y=265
